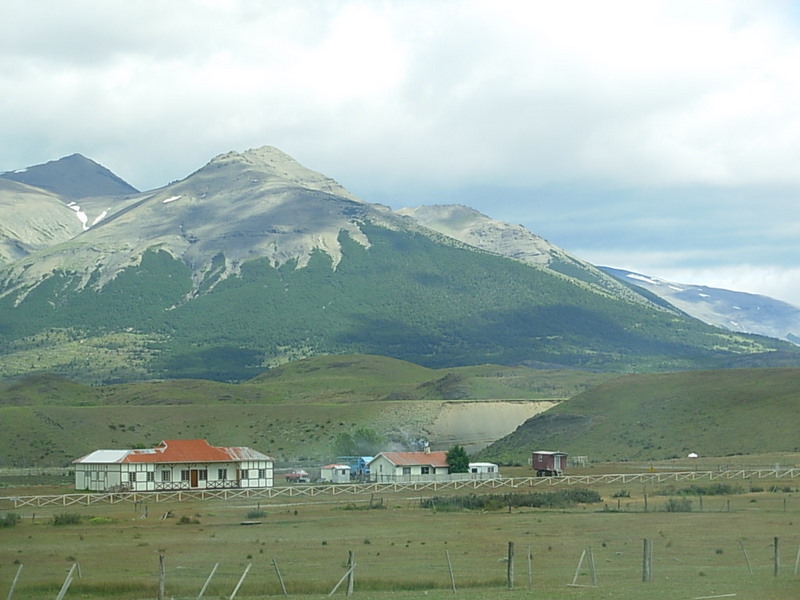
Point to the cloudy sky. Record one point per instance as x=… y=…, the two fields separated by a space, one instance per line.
x=661 y=137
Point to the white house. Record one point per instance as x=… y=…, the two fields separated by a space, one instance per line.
x=389 y=467
x=174 y=465
x=335 y=473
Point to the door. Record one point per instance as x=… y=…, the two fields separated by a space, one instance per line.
x=193 y=478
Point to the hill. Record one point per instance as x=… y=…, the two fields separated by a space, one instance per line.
x=296 y=411
x=659 y=416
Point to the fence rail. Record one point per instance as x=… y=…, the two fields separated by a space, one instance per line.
x=342 y=489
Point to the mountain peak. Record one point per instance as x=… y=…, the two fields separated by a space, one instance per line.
x=72 y=177
x=273 y=166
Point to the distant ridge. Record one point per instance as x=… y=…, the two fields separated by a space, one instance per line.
x=735 y=311
x=72 y=177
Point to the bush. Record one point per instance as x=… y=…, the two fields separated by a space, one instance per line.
x=184 y=520
x=67 y=519
x=9 y=520
x=678 y=505
x=555 y=499
x=256 y=514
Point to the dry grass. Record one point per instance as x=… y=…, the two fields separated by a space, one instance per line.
x=400 y=550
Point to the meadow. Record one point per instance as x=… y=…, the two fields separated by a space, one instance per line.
x=702 y=546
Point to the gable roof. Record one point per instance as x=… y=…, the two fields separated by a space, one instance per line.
x=406 y=459
x=175 y=451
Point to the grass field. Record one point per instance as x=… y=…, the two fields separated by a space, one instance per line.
x=401 y=549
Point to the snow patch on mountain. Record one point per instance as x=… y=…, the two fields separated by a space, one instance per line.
x=735 y=311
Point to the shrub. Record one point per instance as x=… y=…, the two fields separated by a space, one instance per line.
x=678 y=505
x=255 y=514
x=67 y=519
x=555 y=499
x=184 y=520
x=9 y=520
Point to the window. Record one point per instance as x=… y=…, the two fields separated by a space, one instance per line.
x=262 y=473
x=222 y=474
x=150 y=476
x=406 y=470
x=166 y=476
x=184 y=474
x=132 y=477
x=202 y=474
x=244 y=474
x=424 y=470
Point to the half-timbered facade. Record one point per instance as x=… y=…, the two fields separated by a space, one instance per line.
x=174 y=465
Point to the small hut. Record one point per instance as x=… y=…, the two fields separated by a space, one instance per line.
x=335 y=473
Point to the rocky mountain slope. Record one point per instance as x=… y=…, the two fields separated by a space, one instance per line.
x=254 y=260
x=72 y=177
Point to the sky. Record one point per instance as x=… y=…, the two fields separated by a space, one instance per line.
x=661 y=137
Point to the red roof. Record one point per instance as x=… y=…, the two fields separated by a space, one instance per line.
x=181 y=451
x=433 y=459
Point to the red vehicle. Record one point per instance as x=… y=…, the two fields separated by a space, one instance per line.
x=549 y=464
x=298 y=476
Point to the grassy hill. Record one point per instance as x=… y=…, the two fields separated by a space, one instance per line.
x=658 y=416
x=292 y=412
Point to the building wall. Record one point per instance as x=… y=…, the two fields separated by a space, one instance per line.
x=384 y=471
x=150 y=477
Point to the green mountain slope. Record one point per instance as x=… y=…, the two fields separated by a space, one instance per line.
x=405 y=296
x=658 y=416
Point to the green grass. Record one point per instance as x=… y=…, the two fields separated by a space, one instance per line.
x=660 y=416
x=400 y=551
x=292 y=412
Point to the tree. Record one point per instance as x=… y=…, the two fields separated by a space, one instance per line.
x=458 y=459
x=364 y=442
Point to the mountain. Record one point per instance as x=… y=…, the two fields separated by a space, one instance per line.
x=735 y=311
x=514 y=241
x=254 y=260
x=72 y=177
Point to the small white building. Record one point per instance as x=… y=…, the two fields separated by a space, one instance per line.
x=484 y=470
x=335 y=473
x=174 y=465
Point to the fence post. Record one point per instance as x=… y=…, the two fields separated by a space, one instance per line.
x=351 y=562
x=777 y=557
x=796 y=560
x=14 y=583
x=241 y=581
x=747 y=558
x=647 y=561
x=592 y=570
x=205 y=585
x=450 y=568
x=530 y=569
x=67 y=583
x=511 y=565
x=280 y=578
x=161 y=576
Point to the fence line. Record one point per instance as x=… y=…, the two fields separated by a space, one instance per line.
x=339 y=489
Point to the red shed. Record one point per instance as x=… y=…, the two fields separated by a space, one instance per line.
x=548 y=463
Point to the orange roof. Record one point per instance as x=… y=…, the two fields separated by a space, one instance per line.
x=177 y=451
x=433 y=459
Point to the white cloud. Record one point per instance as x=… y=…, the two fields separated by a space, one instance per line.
x=659 y=99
